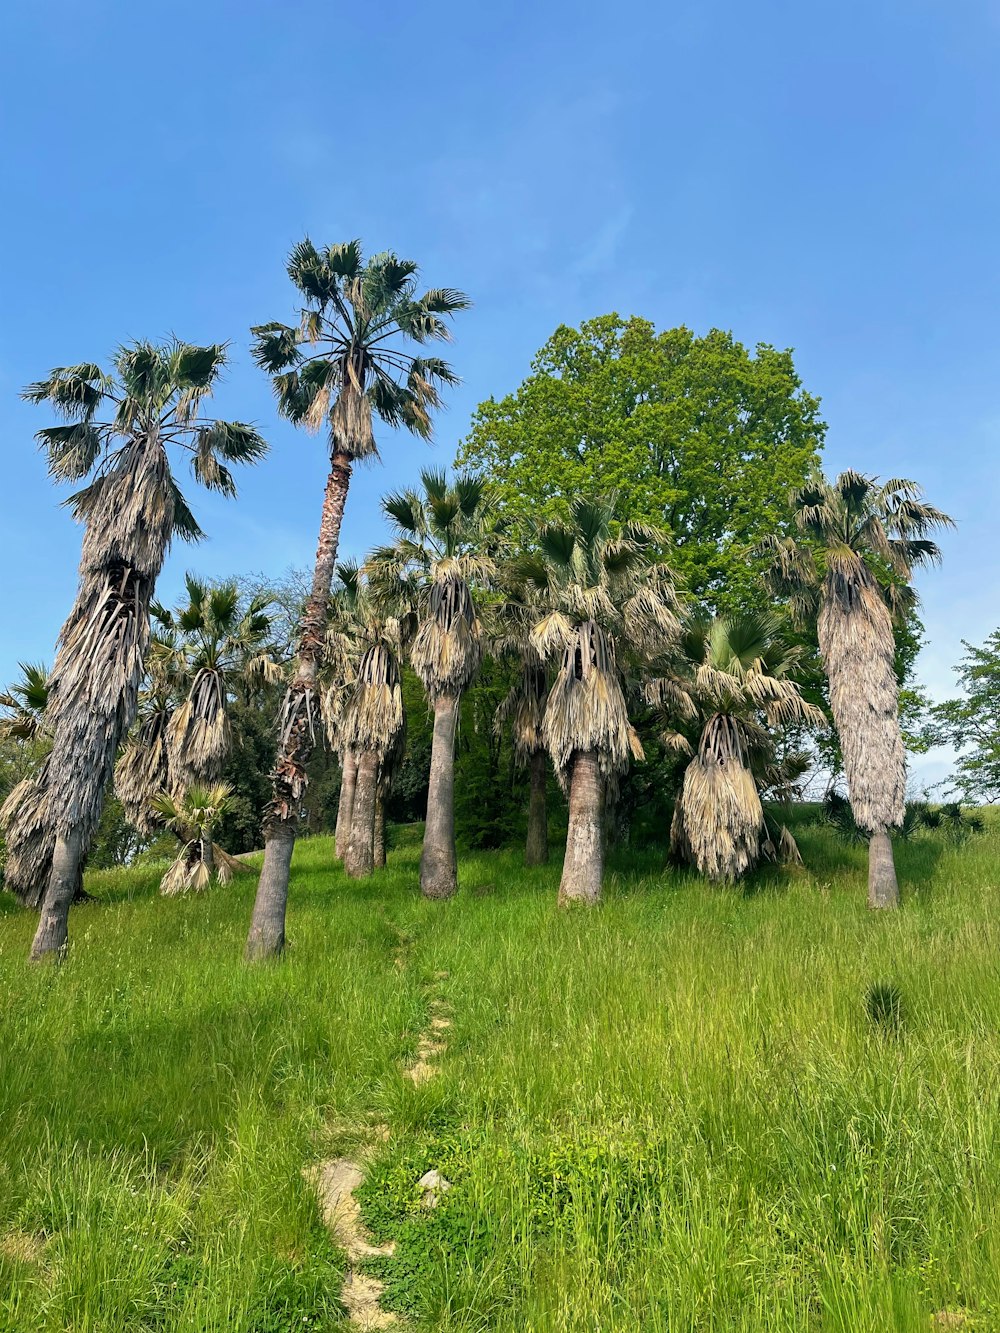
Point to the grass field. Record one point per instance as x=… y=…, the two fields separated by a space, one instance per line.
x=675 y=1112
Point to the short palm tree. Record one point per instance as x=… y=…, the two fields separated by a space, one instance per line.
x=347 y=361
x=28 y=845
x=131 y=510
x=733 y=692
x=142 y=770
x=372 y=724
x=24 y=703
x=601 y=592
x=193 y=815
x=859 y=542
x=447 y=537
x=226 y=645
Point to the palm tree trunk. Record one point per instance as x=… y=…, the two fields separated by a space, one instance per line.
x=379 y=829
x=53 y=926
x=359 y=861
x=345 y=806
x=438 y=864
x=536 y=847
x=298 y=721
x=883 y=891
x=583 y=865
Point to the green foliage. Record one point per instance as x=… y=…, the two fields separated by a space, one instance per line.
x=971 y=723
x=682 y=1111
x=697 y=435
x=948 y=821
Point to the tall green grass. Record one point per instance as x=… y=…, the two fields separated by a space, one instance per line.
x=689 y=1109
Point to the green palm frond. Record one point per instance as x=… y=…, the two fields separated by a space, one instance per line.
x=347 y=358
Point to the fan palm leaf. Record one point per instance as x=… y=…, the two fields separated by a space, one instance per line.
x=346 y=362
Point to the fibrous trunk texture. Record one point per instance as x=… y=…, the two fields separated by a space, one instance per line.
x=536 y=847
x=438 y=863
x=94 y=686
x=345 y=805
x=883 y=890
x=858 y=648
x=379 y=829
x=297 y=730
x=359 y=860
x=583 y=865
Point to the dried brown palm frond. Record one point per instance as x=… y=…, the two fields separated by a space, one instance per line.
x=586 y=706
x=448 y=645
x=718 y=819
x=199 y=735
x=858 y=649
x=778 y=845
x=524 y=709
x=143 y=767
x=375 y=718
x=29 y=838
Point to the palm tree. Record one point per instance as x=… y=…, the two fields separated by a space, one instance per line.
x=860 y=542
x=372 y=724
x=601 y=590
x=28 y=847
x=446 y=537
x=193 y=816
x=142 y=770
x=24 y=703
x=225 y=645
x=346 y=362
x=524 y=710
x=733 y=690
x=131 y=510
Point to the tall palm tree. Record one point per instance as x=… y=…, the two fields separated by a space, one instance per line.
x=860 y=541
x=447 y=536
x=602 y=592
x=131 y=510
x=733 y=690
x=347 y=361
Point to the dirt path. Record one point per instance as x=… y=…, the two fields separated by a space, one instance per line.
x=335 y=1182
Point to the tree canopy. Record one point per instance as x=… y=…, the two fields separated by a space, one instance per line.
x=697 y=435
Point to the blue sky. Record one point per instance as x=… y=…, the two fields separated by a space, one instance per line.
x=814 y=174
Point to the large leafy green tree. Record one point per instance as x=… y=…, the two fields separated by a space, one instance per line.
x=697 y=435
x=131 y=509
x=347 y=361
x=602 y=597
x=850 y=565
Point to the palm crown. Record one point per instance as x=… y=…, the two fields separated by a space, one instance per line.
x=24 y=702
x=447 y=537
x=856 y=530
x=347 y=358
x=594 y=583
x=363 y=706
x=221 y=643
x=156 y=395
